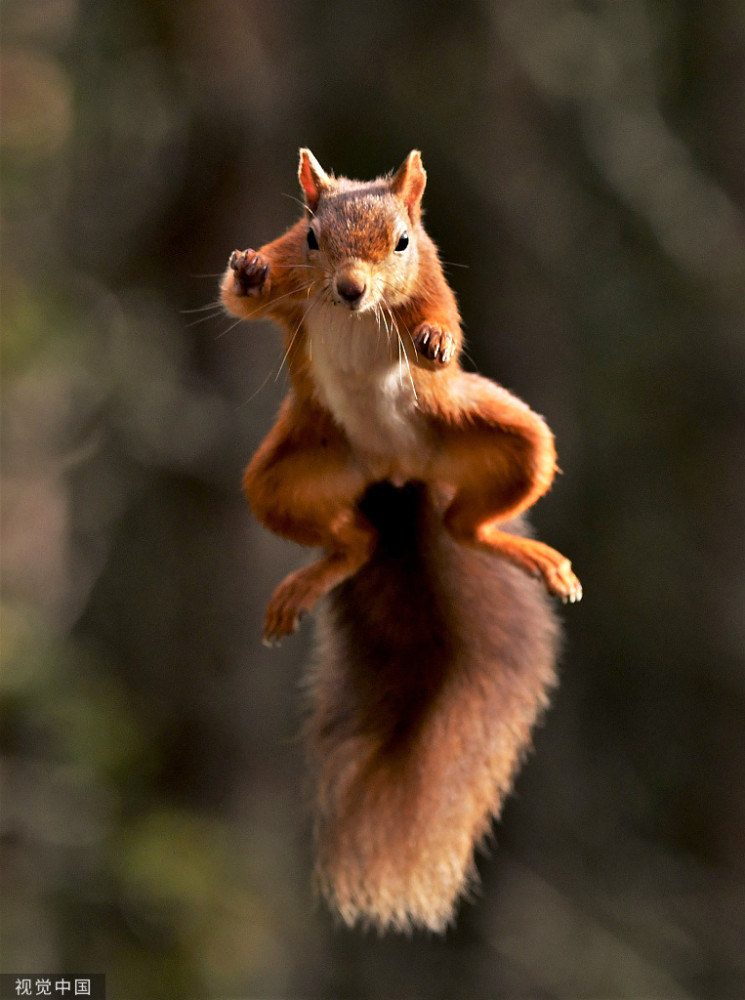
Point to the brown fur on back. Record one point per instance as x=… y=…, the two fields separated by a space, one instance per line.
x=434 y=662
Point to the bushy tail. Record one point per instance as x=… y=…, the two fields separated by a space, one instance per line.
x=433 y=664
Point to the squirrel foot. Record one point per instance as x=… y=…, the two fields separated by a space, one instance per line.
x=434 y=343
x=535 y=558
x=562 y=581
x=554 y=569
x=251 y=272
x=295 y=596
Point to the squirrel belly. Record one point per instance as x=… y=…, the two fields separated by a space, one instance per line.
x=434 y=662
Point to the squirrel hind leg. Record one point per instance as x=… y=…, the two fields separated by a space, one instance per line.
x=471 y=520
x=298 y=592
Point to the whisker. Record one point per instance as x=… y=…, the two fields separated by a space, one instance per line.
x=255 y=393
x=389 y=326
x=311 y=304
x=410 y=335
x=408 y=367
x=232 y=326
x=402 y=352
x=286 y=355
x=390 y=284
x=299 y=202
x=205 y=319
x=199 y=309
x=400 y=367
x=381 y=323
x=407 y=331
x=467 y=355
x=293 y=291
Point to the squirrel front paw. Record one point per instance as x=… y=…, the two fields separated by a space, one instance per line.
x=434 y=343
x=251 y=272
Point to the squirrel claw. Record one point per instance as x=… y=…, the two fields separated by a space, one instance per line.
x=434 y=343
x=277 y=626
x=562 y=581
x=554 y=569
x=283 y=614
x=251 y=271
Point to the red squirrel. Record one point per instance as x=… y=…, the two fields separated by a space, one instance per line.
x=437 y=641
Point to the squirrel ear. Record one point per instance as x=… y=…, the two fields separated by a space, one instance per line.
x=408 y=183
x=313 y=178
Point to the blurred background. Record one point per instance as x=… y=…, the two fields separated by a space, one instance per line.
x=585 y=165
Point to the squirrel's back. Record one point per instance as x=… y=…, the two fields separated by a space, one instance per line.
x=434 y=662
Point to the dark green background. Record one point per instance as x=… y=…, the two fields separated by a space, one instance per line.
x=585 y=164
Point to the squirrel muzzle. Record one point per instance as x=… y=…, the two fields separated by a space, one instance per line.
x=350 y=285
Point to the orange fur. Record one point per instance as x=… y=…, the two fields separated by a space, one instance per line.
x=373 y=341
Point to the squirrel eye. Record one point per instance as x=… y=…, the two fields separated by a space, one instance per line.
x=403 y=242
x=312 y=241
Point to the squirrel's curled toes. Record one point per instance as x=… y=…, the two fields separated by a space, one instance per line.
x=438 y=646
x=250 y=270
x=434 y=343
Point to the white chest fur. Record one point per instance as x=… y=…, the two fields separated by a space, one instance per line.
x=364 y=380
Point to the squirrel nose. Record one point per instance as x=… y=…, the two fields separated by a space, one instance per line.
x=351 y=288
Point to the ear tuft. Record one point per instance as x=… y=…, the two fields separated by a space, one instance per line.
x=409 y=182
x=313 y=179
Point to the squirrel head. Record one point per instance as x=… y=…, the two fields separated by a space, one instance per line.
x=364 y=235
x=407 y=183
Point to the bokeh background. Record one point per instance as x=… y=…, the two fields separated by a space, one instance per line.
x=585 y=166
